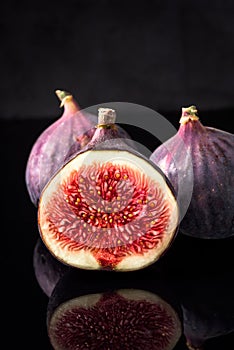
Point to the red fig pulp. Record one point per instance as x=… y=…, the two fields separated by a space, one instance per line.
x=108 y=207
x=210 y=213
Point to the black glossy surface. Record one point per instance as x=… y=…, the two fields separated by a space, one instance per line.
x=23 y=304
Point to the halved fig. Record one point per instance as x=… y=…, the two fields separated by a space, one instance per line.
x=109 y=207
x=48 y=270
x=99 y=310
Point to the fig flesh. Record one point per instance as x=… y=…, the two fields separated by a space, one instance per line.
x=109 y=207
x=210 y=213
x=48 y=270
x=99 y=310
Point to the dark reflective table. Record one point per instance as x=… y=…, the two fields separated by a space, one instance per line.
x=133 y=310
x=195 y=277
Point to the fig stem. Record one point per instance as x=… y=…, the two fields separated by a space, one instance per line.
x=189 y=114
x=63 y=96
x=106 y=117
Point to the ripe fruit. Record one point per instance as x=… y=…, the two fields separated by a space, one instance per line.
x=109 y=207
x=101 y=310
x=50 y=149
x=203 y=156
x=48 y=270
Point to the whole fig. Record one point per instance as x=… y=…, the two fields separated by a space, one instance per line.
x=210 y=213
x=50 y=149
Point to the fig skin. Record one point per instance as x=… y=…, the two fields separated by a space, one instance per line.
x=210 y=212
x=90 y=286
x=106 y=139
x=51 y=147
x=47 y=269
x=208 y=308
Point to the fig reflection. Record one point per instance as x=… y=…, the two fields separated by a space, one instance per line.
x=106 y=310
x=47 y=269
x=208 y=309
x=134 y=305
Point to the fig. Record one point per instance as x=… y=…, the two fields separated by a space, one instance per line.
x=210 y=212
x=108 y=207
x=208 y=309
x=51 y=147
x=56 y=144
x=101 y=310
x=47 y=269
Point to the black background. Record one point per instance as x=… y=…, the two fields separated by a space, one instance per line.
x=161 y=54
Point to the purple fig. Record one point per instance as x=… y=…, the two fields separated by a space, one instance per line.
x=203 y=156
x=50 y=149
x=108 y=207
x=67 y=135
